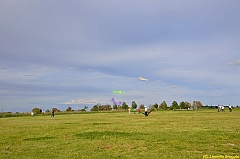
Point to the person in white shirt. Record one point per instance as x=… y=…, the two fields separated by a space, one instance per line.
x=230 y=108
x=146 y=111
x=222 y=108
x=219 y=108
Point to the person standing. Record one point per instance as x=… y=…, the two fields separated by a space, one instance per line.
x=219 y=108
x=134 y=110
x=222 y=108
x=230 y=108
x=146 y=111
x=139 y=110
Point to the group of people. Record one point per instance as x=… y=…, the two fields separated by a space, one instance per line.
x=146 y=112
x=221 y=108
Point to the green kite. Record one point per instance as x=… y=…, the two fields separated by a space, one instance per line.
x=118 y=91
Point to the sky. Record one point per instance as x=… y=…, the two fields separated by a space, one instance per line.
x=74 y=53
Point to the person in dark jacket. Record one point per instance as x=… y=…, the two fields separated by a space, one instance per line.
x=52 y=113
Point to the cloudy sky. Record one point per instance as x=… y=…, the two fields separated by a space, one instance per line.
x=62 y=53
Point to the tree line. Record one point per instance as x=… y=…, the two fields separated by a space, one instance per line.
x=107 y=107
x=69 y=109
x=156 y=106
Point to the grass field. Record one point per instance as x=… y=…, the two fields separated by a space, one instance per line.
x=163 y=134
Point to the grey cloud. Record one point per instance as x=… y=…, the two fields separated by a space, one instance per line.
x=234 y=63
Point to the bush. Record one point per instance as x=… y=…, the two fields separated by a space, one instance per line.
x=37 y=110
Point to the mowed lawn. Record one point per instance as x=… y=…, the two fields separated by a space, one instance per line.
x=163 y=134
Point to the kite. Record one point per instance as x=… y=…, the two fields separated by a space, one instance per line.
x=117 y=103
x=118 y=91
x=143 y=79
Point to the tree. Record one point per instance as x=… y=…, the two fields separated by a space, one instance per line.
x=163 y=105
x=187 y=104
x=142 y=106
x=55 y=110
x=182 y=105
x=95 y=107
x=197 y=105
x=37 y=110
x=69 y=109
x=99 y=107
x=134 y=105
x=106 y=107
x=175 y=105
x=115 y=106
x=124 y=106
x=155 y=106
x=151 y=107
x=85 y=107
x=82 y=110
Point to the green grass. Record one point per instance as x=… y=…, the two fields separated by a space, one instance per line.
x=163 y=134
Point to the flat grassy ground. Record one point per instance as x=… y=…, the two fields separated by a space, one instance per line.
x=163 y=134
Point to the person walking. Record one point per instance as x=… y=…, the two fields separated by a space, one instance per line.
x=52 y=113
